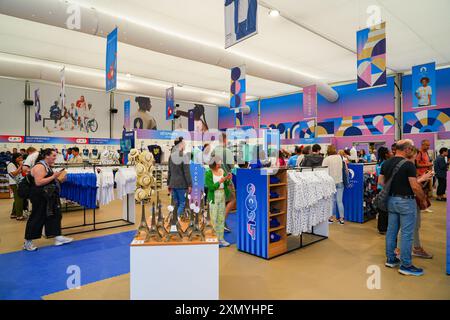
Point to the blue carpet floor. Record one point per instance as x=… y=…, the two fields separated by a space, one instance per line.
x=31 y=275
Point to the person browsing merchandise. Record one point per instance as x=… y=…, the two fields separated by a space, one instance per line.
x=402 y=207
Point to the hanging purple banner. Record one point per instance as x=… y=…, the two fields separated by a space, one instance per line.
x=310 y=102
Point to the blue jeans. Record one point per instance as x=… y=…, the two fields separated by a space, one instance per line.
x=339 y=213
x=402 y=216
x=179 y=197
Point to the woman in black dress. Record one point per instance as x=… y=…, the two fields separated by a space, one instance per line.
x=44 y=196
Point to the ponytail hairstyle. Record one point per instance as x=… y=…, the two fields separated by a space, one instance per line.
x=44 y=153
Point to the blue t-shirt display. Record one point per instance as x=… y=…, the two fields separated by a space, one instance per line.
x=81 y=188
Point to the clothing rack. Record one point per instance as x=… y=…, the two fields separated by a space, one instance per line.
x=126 y=222
x=318 y=236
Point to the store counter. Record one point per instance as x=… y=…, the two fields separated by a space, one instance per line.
x=174 y=270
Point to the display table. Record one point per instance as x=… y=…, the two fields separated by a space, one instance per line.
x=174 y=270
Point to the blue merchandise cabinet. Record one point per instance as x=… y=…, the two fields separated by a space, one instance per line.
x=254 y=207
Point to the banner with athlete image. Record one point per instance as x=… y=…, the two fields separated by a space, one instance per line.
x=170 y=104
x=111 y=61
x=424 y=85
x=240 y=20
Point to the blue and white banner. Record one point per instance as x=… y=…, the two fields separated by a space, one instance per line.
x=104 y=141
x=127 y=115
x=111 y=61
x=240 y=20
x=198 y=183
x=191 y=120
x=170 y=101
x=424 y=85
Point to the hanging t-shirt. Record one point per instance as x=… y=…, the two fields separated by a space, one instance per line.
x=156 y=151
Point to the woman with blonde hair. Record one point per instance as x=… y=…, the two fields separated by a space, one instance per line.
x=335 y=164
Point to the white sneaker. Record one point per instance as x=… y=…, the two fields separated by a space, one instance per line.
x=60 y=240
x=29 y=246
x=429 y=210
x=224 y=243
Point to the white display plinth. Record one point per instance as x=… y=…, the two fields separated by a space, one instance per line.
x=174 y=271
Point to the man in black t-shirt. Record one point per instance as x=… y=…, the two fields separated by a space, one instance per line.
x=402 y=207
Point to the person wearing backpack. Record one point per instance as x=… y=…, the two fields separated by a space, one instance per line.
x=14 y=169
x=398 y=177
x=44 y=196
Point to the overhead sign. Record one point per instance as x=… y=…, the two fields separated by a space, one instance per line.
x=11 y=139
x=424 y=85
x=238 y=88
x=310 y=102
x=111 y=61
x=126 y=114
x=371 y=52
x=170 y=104
x=240 y=20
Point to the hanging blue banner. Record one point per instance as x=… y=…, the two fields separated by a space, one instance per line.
x=126 y=115
x=111 y=61
x=191 y=120
x=424 y=85
x=240 y=20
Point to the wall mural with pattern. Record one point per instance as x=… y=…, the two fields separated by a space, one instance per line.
x=361 y=114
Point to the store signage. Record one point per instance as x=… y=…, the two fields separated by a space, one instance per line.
x=310 y=102
x=424 y=85
x=240 y=20
x=111 y=61
x=104 y=141
x=126 y=115
x=198 y=183
x=371 y=55
x=170 y=104
x=251 y=204
x=11 y=139
x=68 y=141
x=238 y=88
x=191 y=120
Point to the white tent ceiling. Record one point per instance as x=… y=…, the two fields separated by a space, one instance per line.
x=415 y=35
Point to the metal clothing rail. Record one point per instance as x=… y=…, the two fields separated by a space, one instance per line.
x=319 y=237
x=94 y=224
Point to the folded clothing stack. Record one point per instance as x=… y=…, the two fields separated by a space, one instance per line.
x=274 y=195
x=274 y=237
x=274 y=223
x=274 y=180
x=274 y=210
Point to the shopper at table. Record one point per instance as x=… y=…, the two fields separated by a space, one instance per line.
x=292 y=162
x=44 y=195
x=383 y=155
x=225 y=155
x=423 y=165
x=14 y=169
x=217 y=182
x=418 y=250
x=314 y=159
x=335 y=164
x=402 y=207
x=440 y=169
x=179 y=176
x=76 y=157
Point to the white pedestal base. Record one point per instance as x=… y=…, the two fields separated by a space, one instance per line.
x=174 y=272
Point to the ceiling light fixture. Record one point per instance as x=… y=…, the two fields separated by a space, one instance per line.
x=274 y=13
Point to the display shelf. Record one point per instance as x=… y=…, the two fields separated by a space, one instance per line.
x=273 y=215
x=277 y=228
x=277 y=199
x=278 y=185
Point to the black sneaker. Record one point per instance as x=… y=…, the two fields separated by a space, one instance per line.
x=393 y=264
x=410 y=271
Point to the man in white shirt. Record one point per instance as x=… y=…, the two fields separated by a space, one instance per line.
x=30 y=161
x=424 y=93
